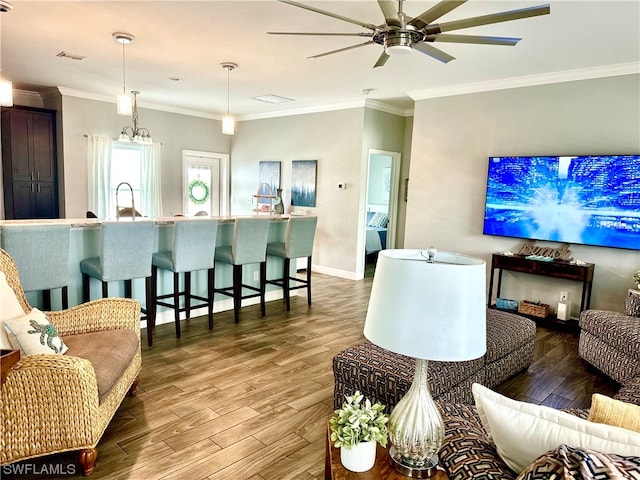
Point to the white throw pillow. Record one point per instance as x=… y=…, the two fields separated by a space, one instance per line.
x=9 y=308
x=33 y=333
x=524 y=431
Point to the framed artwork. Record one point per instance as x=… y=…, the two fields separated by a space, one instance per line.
x=268 y=174
x=303 y=183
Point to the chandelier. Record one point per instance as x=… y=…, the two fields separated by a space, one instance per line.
x=135 y=134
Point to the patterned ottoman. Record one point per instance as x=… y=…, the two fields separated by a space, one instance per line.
x=610 y=341
x=384 y=376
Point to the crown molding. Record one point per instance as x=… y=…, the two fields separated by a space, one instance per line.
x=305 y=110
x=632 y=68
x=385 y=107
x=70 y=92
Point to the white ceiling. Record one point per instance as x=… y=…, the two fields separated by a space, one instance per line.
x=189 y=40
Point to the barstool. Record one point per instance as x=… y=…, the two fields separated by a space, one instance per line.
x=193 y=249
x=249 y=245
x=126 y=249
x=298 y=243
x=41 y=253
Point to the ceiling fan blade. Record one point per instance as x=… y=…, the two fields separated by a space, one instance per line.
x=488 y=19
x=361 y=34
x=483 y=40
x=370 y=26
x=433 y=52
x=390 y=13
x=435 y=12
x=342 y=49
x=382 y=59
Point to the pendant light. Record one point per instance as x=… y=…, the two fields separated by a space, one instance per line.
x=124 y=103
x=228 y=125
x=6 y=86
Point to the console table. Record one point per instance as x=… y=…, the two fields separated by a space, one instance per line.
x=556 y=269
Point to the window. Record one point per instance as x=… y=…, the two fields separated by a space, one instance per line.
x=109 y=163
x=126 y=166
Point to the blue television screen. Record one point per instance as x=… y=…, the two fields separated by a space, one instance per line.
x=591 y=200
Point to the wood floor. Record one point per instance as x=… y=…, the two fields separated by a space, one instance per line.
x=250 y=401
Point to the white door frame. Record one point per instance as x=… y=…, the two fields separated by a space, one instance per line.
x=224 y=177
x=393 y=194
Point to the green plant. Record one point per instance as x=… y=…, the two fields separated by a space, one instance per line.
x=636 y=277
x=359 y=421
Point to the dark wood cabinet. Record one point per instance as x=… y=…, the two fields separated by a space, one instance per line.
x=29 y=163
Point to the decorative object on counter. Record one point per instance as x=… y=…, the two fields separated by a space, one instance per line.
x=278 y=208
x=138 y=134
x=264 y=199
x=417 y=295
x=228 y=124
x=529 y=247
x=636 y=278
x=356 y=428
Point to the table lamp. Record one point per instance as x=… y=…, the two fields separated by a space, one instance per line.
x=427 y=305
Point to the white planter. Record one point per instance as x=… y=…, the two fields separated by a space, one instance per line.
x=359 y=458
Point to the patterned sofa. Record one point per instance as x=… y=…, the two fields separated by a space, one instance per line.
x=384 y=376
x=608 y=340
x=468 y=453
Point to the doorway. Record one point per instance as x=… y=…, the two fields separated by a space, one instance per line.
x=205 y=183
x=383 y=171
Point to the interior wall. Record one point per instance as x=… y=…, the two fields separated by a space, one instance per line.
x=377 y=195
x=449 y=170
x=382 y=131
x=334 y=139
x=176 y=132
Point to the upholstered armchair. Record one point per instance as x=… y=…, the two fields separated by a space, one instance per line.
x=53 y=403
x=610 y=341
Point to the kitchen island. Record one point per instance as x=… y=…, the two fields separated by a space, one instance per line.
x=85 y=243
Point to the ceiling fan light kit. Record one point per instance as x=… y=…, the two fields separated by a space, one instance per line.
x=400 y=34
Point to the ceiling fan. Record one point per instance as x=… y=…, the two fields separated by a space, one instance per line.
x=401 y=33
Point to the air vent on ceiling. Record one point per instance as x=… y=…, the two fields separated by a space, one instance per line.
x=271 y=98
x=71 y=56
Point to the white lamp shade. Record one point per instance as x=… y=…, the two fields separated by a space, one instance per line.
x=124 y=105
x=433 y=311
x=6 y=93
x=228 y=125
x=124 y=138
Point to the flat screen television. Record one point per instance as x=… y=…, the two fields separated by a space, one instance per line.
x=590 y=200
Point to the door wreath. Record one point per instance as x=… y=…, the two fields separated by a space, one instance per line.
x=198 y=191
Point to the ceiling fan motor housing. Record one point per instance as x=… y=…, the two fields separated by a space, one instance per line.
x=398 y=40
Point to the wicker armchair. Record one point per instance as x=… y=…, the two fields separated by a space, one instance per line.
x=52 y=403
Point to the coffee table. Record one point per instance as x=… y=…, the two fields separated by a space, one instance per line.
x=382 y=470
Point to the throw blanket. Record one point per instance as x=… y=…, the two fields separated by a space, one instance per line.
x=568 y=463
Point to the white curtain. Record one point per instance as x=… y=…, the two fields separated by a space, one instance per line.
x=152 y=200
x=99 y=170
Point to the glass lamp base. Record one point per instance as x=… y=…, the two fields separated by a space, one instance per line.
x=408 y=469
